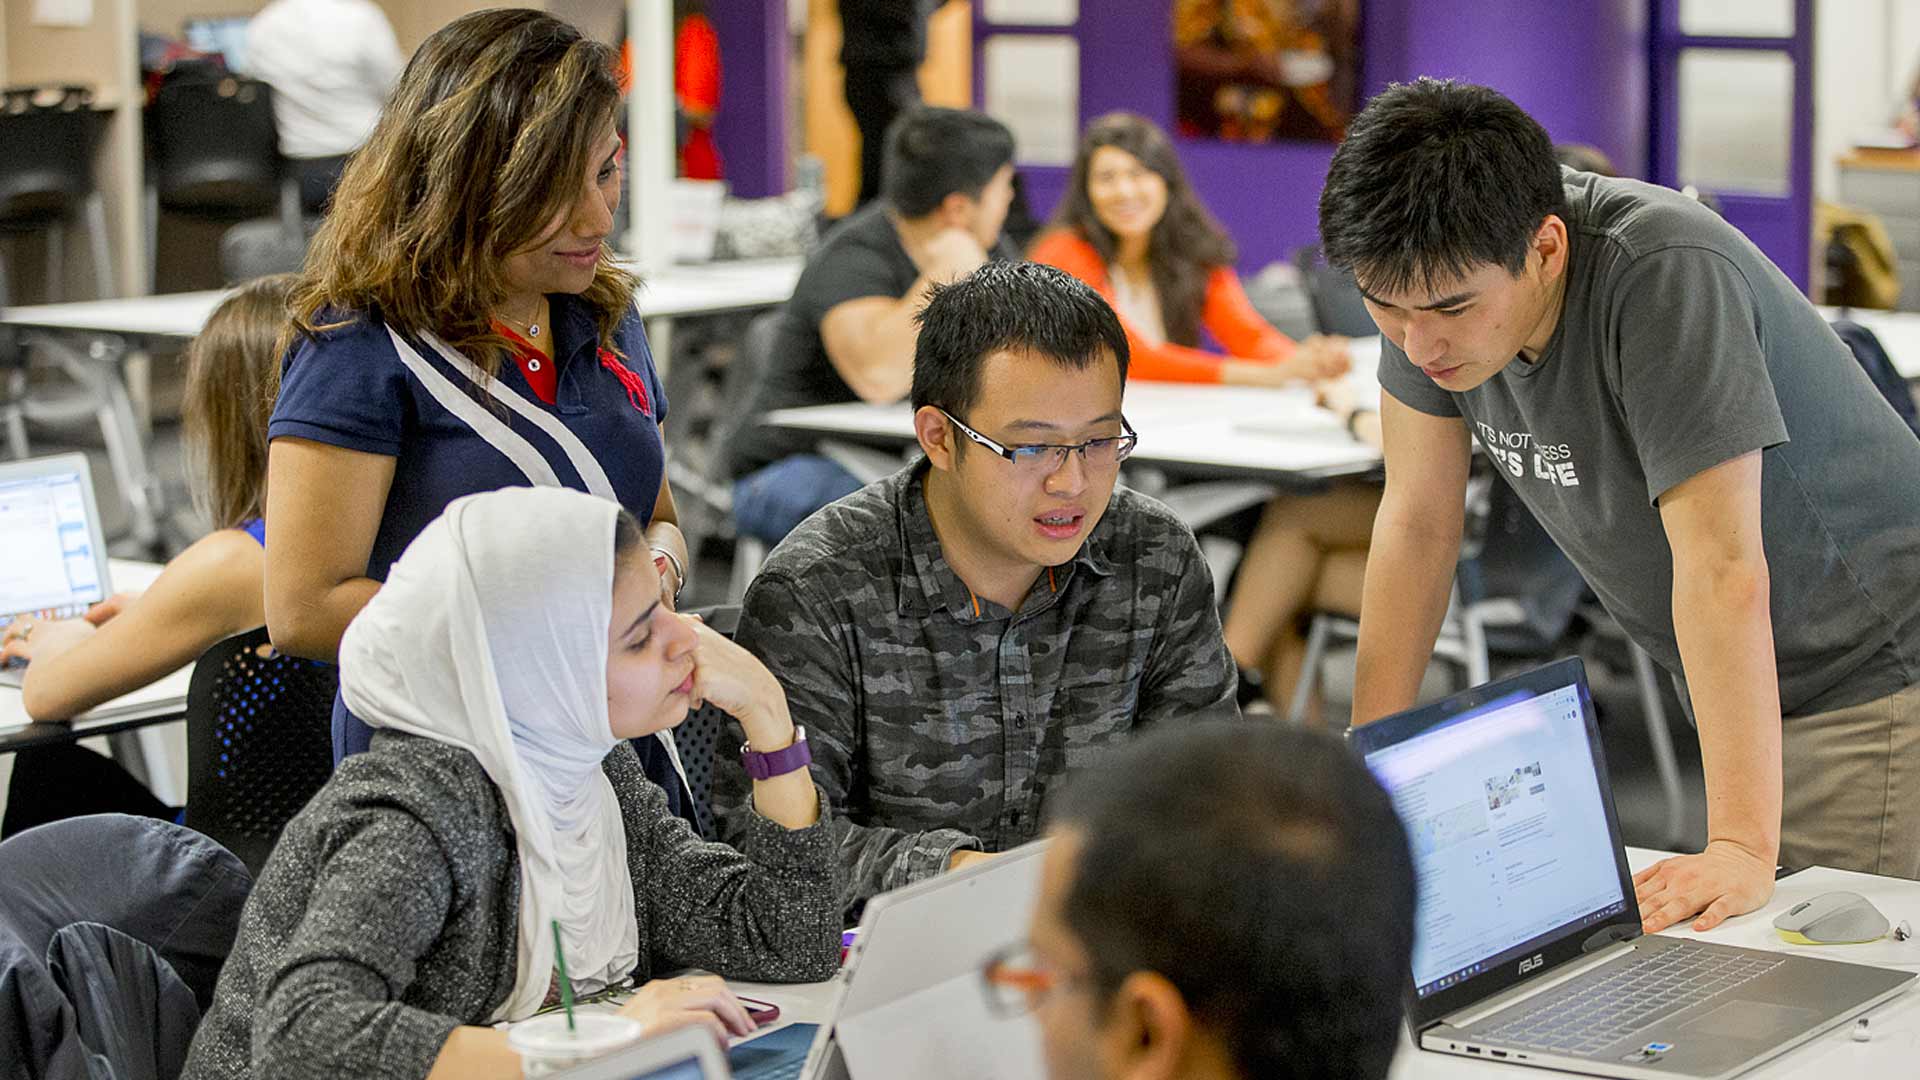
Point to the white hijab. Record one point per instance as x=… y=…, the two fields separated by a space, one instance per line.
x=490 y=634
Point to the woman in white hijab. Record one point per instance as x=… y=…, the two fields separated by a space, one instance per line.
x=518 y=643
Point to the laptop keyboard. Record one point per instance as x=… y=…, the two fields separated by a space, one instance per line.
x=1592 y=1013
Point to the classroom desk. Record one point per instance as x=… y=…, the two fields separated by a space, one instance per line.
x=1896 y=1024
x=90 y=339
x=1195 y=430
x=128 y=721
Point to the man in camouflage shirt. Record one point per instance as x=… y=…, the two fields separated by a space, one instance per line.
x=957 y=637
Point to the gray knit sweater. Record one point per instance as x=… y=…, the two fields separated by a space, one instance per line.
x=386 y=915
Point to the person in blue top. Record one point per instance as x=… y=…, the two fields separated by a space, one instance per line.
x=210 y=591
x=461 y=326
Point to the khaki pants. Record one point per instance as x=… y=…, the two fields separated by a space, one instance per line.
x=1852 y=797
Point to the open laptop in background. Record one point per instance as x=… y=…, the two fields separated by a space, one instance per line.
x=1527 y=944
x=55 y=559
x=685 y=1054
x=224 y=35
x=908 y=1001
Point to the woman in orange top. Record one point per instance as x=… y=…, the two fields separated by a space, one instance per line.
x=1132 y=228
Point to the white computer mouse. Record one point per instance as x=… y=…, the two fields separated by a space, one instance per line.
x=1835 y=918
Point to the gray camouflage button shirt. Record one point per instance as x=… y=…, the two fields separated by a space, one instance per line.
x=937 y=725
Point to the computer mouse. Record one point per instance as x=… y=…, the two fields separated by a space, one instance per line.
x=1835 y=918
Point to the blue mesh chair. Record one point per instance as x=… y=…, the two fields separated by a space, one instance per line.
x=259 y=742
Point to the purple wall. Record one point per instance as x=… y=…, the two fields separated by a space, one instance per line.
x=1579 y=66
x=752 y=126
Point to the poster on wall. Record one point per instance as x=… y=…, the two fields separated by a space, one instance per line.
x=1266 y=70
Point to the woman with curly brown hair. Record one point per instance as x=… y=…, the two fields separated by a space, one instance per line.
x=462 y=326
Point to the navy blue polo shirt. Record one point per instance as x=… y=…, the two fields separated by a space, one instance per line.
x=364 y=387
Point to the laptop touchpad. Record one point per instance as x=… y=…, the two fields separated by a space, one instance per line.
x=1752 y=1020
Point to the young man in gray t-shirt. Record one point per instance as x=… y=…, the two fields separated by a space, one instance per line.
x=1689 y=431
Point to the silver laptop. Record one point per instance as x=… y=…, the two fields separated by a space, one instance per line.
x=1527 y=944
x=55 y=563
x=686 y=1054
x=909 y=1001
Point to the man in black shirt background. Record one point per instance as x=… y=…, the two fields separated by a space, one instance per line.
x=849 y=333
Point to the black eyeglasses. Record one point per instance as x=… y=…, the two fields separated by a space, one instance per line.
x=1043 y=459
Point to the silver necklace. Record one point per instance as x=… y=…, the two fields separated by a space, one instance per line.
x=532 y=328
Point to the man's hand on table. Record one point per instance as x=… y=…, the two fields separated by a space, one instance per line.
x=967 y=857
x=1725 y=880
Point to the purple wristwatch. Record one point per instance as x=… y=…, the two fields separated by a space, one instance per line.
x=778 y=762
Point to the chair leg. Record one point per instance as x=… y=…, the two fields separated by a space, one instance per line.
x=153 y=239
x=1479 y=664
x=1661 y=737
x=1317 y=634
x=15 y=411
x=748 y=554
x=56 y=235
x=98 y=247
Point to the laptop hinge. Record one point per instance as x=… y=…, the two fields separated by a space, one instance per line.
x=1528 y=989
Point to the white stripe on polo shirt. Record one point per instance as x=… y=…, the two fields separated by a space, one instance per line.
x=515 y=447
x=475 y=415
x=583 y=461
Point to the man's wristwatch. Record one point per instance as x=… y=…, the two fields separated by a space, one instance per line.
x=778 y=762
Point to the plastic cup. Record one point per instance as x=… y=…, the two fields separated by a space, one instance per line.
x=546 y=1046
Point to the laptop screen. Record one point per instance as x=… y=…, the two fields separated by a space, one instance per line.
x=51 y=569
x=224 y=35
x=1511 y=838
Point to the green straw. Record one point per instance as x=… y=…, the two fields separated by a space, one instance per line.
x=566 y=984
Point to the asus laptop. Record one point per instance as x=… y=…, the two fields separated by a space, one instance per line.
x=1527 y=944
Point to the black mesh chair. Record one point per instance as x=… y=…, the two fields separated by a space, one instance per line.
x=213 y=154
x=47 y=140
x=259 y=742
x=699 y=733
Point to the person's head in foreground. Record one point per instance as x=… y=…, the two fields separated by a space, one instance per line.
x=1129 y=194
x=1445 y=203
x=490 y=181
x=1017 y=380
x=951 y=167
x=1221 y=900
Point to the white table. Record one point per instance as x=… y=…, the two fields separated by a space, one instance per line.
x=129 y=720
x=1239 y=431
x=1893 y=1052
x=92 y=338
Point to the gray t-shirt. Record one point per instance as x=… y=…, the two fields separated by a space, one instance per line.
x=1681 y=347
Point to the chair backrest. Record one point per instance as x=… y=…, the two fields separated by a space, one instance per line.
x=1873 y=358
x=46 y=154
x=700 y=732
x=213 y=144
x=1514 y=559
x=1337 y=305
x=156 y=882
x=259 y=742
x=739 y=387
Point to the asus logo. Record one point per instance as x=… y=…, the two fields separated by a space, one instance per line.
x=1532 y=962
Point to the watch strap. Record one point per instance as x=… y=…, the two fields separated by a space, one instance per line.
x=766 y=766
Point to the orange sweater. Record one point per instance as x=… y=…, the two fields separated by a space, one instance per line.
x=1226 y=313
